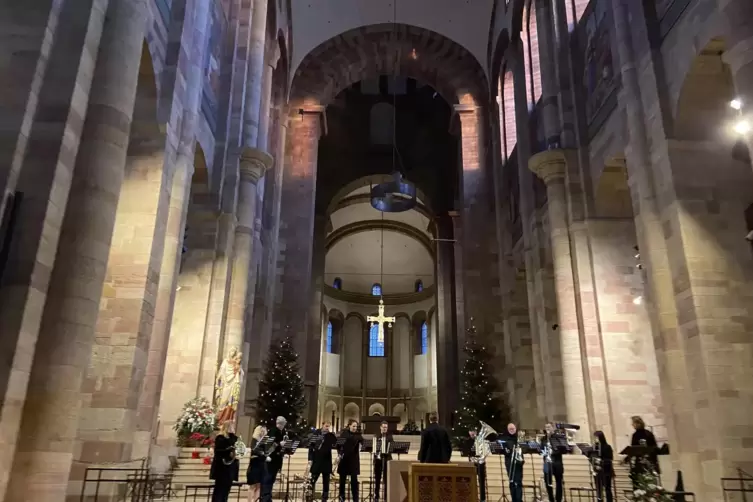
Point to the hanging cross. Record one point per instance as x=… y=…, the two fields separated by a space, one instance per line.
x=380 y=320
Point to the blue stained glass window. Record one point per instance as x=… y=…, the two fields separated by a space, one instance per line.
x=424 y=338
x=376 y=348
x=329 y=337
x=419 y=286
x=376 y=290
x=337 y=283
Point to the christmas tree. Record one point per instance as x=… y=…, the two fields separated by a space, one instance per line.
x=479 y=397
x=281 y=387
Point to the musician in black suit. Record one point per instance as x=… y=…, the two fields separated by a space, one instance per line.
x=320 y=460
x=650 y=462
x=224 y=469
x=436 y=447
x=603 y=461
x=513 y=462
x=381 y=457
x=274 y=459
x=554 y=469
x=349 y=459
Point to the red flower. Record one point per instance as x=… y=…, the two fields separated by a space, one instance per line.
x=197 y=436
x=207 y=460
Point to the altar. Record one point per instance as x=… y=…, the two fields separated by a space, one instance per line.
x=411 y=481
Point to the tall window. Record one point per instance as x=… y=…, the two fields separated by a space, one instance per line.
x=376 y=348
x=376 y=290
x=424 y=338
x=337 y=283
x=329 y=337
x=419 y=286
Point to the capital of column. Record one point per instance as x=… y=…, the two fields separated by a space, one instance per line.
x=549 y=165
x=254 y=163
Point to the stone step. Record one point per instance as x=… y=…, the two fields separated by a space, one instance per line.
x=193 y=472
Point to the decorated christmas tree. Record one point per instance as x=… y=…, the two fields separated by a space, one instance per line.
x=479 y=393
x=281 y=387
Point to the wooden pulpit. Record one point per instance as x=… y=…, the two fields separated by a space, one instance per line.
x=442 y=483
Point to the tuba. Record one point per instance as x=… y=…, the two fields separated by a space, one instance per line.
x=481 y=445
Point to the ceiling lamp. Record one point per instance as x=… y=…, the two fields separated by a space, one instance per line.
x=394 y=196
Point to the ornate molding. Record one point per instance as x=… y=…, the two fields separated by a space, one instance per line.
x=550 y=165
x=387 y=225
x=368 y=299
x=254 y=163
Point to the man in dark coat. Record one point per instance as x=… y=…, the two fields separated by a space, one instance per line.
x=436 y=447
x=320 y=460
x=349 y=462
x=274 y=460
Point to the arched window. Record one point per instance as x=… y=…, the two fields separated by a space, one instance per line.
x=329 y=337
x=337 y=283
x=419 y=286
x=376 y=290
x=376 y=348
x=424 y=338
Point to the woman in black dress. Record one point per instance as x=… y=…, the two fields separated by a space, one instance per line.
x=605 y=473
x=224 y=470
x=257 y=465
x=349 y=459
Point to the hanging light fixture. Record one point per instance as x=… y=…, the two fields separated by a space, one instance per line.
x=399 y=194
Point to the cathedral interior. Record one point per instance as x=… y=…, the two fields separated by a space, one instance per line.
x=185 y=179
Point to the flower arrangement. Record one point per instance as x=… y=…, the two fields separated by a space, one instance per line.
x=196 y=423
x=646 y=486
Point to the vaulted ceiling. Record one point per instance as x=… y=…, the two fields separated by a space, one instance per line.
x=467 y=22
x=366 y=246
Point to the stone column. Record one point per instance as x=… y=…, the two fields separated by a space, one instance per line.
x=255 y=75
x=253 y=164
x=448 y=383
x=314 y=346
x=266 y=98
x=51 y=412
x=550 y=167
x=37 y=157
x=549 y=83
x=293 y=294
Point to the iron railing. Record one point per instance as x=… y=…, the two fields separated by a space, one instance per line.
x=738 y=487
x=134 y=484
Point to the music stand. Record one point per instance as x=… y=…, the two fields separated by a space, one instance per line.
x=530 y=448
x=588 y=451
x=641 y=452
x=399 y=448
x=498 y=449
x=558 y=444
x=368 y=447
x=288 y=448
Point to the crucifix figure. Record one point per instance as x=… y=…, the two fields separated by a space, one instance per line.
x=380 y=320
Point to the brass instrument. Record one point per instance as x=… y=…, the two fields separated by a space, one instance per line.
x=480 y=443
x=518 y=454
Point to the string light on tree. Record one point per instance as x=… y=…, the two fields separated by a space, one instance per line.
x=479 y=390
x=281 y=386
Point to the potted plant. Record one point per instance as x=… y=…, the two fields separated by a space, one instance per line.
x=195 y=424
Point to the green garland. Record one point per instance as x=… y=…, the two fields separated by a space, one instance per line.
x=646 y=484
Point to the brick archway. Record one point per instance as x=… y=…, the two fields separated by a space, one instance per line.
x=388 y=49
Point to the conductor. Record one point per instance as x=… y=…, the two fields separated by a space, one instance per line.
x=436 y=447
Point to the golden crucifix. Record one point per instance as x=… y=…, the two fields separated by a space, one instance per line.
x=380 y=320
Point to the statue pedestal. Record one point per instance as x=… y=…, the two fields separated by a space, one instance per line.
x=371 y=424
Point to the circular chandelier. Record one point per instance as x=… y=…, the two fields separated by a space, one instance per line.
x=394 y=196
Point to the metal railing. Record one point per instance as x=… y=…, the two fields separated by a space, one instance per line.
x=738 y=488
x=134 y=484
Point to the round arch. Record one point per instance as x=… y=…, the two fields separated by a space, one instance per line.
x=387 y=49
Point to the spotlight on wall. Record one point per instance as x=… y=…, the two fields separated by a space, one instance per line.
x=736 y=104
x=742 y=127
x=638 y=300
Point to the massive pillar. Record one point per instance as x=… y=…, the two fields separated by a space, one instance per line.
x=254 y=163
x=293 y=292
x=314 y=346
x=550 y=167
x=448 y=384
x=195 y=23
x=51 y=412
x=255 y=77
x=36 y=160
